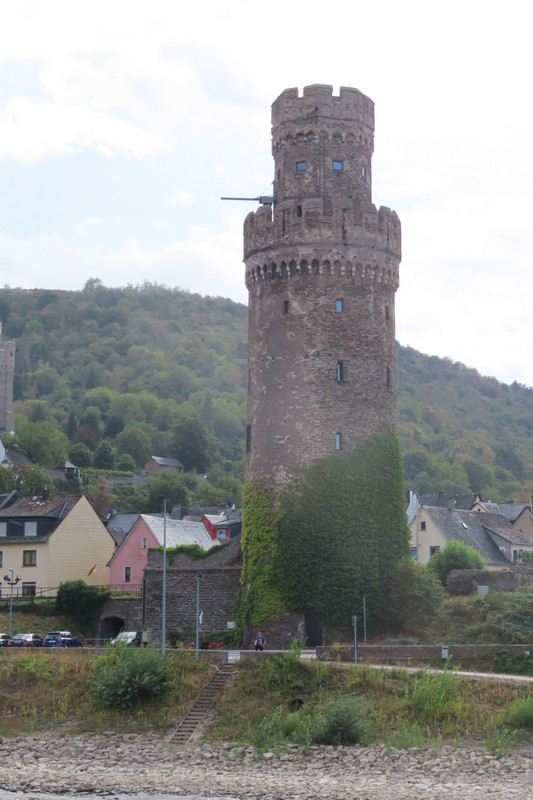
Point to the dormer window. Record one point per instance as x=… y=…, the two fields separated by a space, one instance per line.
x=30 y=529
x=301 y=166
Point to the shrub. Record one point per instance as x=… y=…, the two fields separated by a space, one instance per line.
x=416 y=597
x=126 y=677
x=520 y=713
x=345 y=721
x=436 y=695
x=81 y=604
x=455 y=555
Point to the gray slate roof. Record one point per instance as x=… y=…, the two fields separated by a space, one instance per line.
x=470 y=527
x=441 y=500
x=179 y=532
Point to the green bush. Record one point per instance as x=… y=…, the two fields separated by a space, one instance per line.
x=345 y=721
x=520 y=713
x=455 y=555
x=436 y=695
x=125 y=677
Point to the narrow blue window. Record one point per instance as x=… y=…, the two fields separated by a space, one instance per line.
x=338 y=438
x=339 y=305
x=339 y=371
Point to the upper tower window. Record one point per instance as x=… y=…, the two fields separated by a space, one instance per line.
x=337 y=166
x=285 y=306
x=339 y=305
x=301 y=166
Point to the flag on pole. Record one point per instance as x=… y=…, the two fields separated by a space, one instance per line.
x=91 y=571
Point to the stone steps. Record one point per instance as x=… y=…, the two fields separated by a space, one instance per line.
x=203 y=704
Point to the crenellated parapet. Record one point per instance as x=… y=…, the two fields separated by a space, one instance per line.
x=365 y=229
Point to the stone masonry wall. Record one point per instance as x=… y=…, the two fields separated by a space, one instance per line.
x=219 y=588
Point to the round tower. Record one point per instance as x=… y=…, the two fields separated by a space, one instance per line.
x=321 y=272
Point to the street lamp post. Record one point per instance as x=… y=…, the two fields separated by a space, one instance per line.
x=199 y=574
x=12 y=582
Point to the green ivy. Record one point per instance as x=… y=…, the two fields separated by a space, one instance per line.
x=193 y=551
x=342 y=527
x=261 y=595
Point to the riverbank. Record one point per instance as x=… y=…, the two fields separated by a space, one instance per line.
x=111 y=764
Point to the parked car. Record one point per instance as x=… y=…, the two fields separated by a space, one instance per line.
x=61 y=639
x=4 y=639
x=129 y=638
x=26 y=640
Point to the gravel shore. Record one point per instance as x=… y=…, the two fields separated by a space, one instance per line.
x=109 y=764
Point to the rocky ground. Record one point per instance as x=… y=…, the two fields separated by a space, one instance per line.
x=111 y=763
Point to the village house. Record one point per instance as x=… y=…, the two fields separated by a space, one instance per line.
x=157 y=465
x=126 y=566
x=491 y=534
x=50 y=539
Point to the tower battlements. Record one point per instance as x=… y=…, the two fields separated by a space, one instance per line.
x=318 y=101
x=362 y=234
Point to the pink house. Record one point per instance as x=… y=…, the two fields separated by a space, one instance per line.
x=126 y=567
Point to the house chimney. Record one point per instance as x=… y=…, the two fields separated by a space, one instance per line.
x=451 y=503
x=46 y=493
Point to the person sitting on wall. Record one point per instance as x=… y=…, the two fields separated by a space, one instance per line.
x=260 y=641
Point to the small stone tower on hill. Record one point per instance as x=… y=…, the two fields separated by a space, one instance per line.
x=321 y=272
x=7 y=372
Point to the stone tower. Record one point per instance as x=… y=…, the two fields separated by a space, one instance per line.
x=7 y=371
x=321 y=271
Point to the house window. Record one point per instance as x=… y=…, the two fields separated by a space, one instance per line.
x=339 y=371
x=285 y=306
x=338 y=441
x=339 y=305
x=248 y=438
x=29 y=589
x=433 y=550
x=30 y=529
x=127 y=574
x=3 y=528
x=413 y=552
x=337 y=166
x=29 y=558
x=144 y=542
x=301 y=166
x=423 y=525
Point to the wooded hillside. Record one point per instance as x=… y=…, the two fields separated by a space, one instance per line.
x=122 y=374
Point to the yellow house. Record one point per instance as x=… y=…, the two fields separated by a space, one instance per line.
x=45 y=541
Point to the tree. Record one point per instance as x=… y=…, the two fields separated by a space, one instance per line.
x=80 y=455
x=101 y=500
x=455 y=555
x=81 y=604
x=6 y=481
x=169 y=487
x=104 y=457
x=415 y=597
x=31 y=480
x=191 y=444
x=125 y=463
x=43 y=442
x=136 y=442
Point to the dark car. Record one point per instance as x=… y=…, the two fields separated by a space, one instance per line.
x=4 y=639
x=25 y=640
x=61 y=639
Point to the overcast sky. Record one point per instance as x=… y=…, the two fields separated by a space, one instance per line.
x=122 y=123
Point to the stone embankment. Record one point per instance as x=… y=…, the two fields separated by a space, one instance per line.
x=130 y=763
